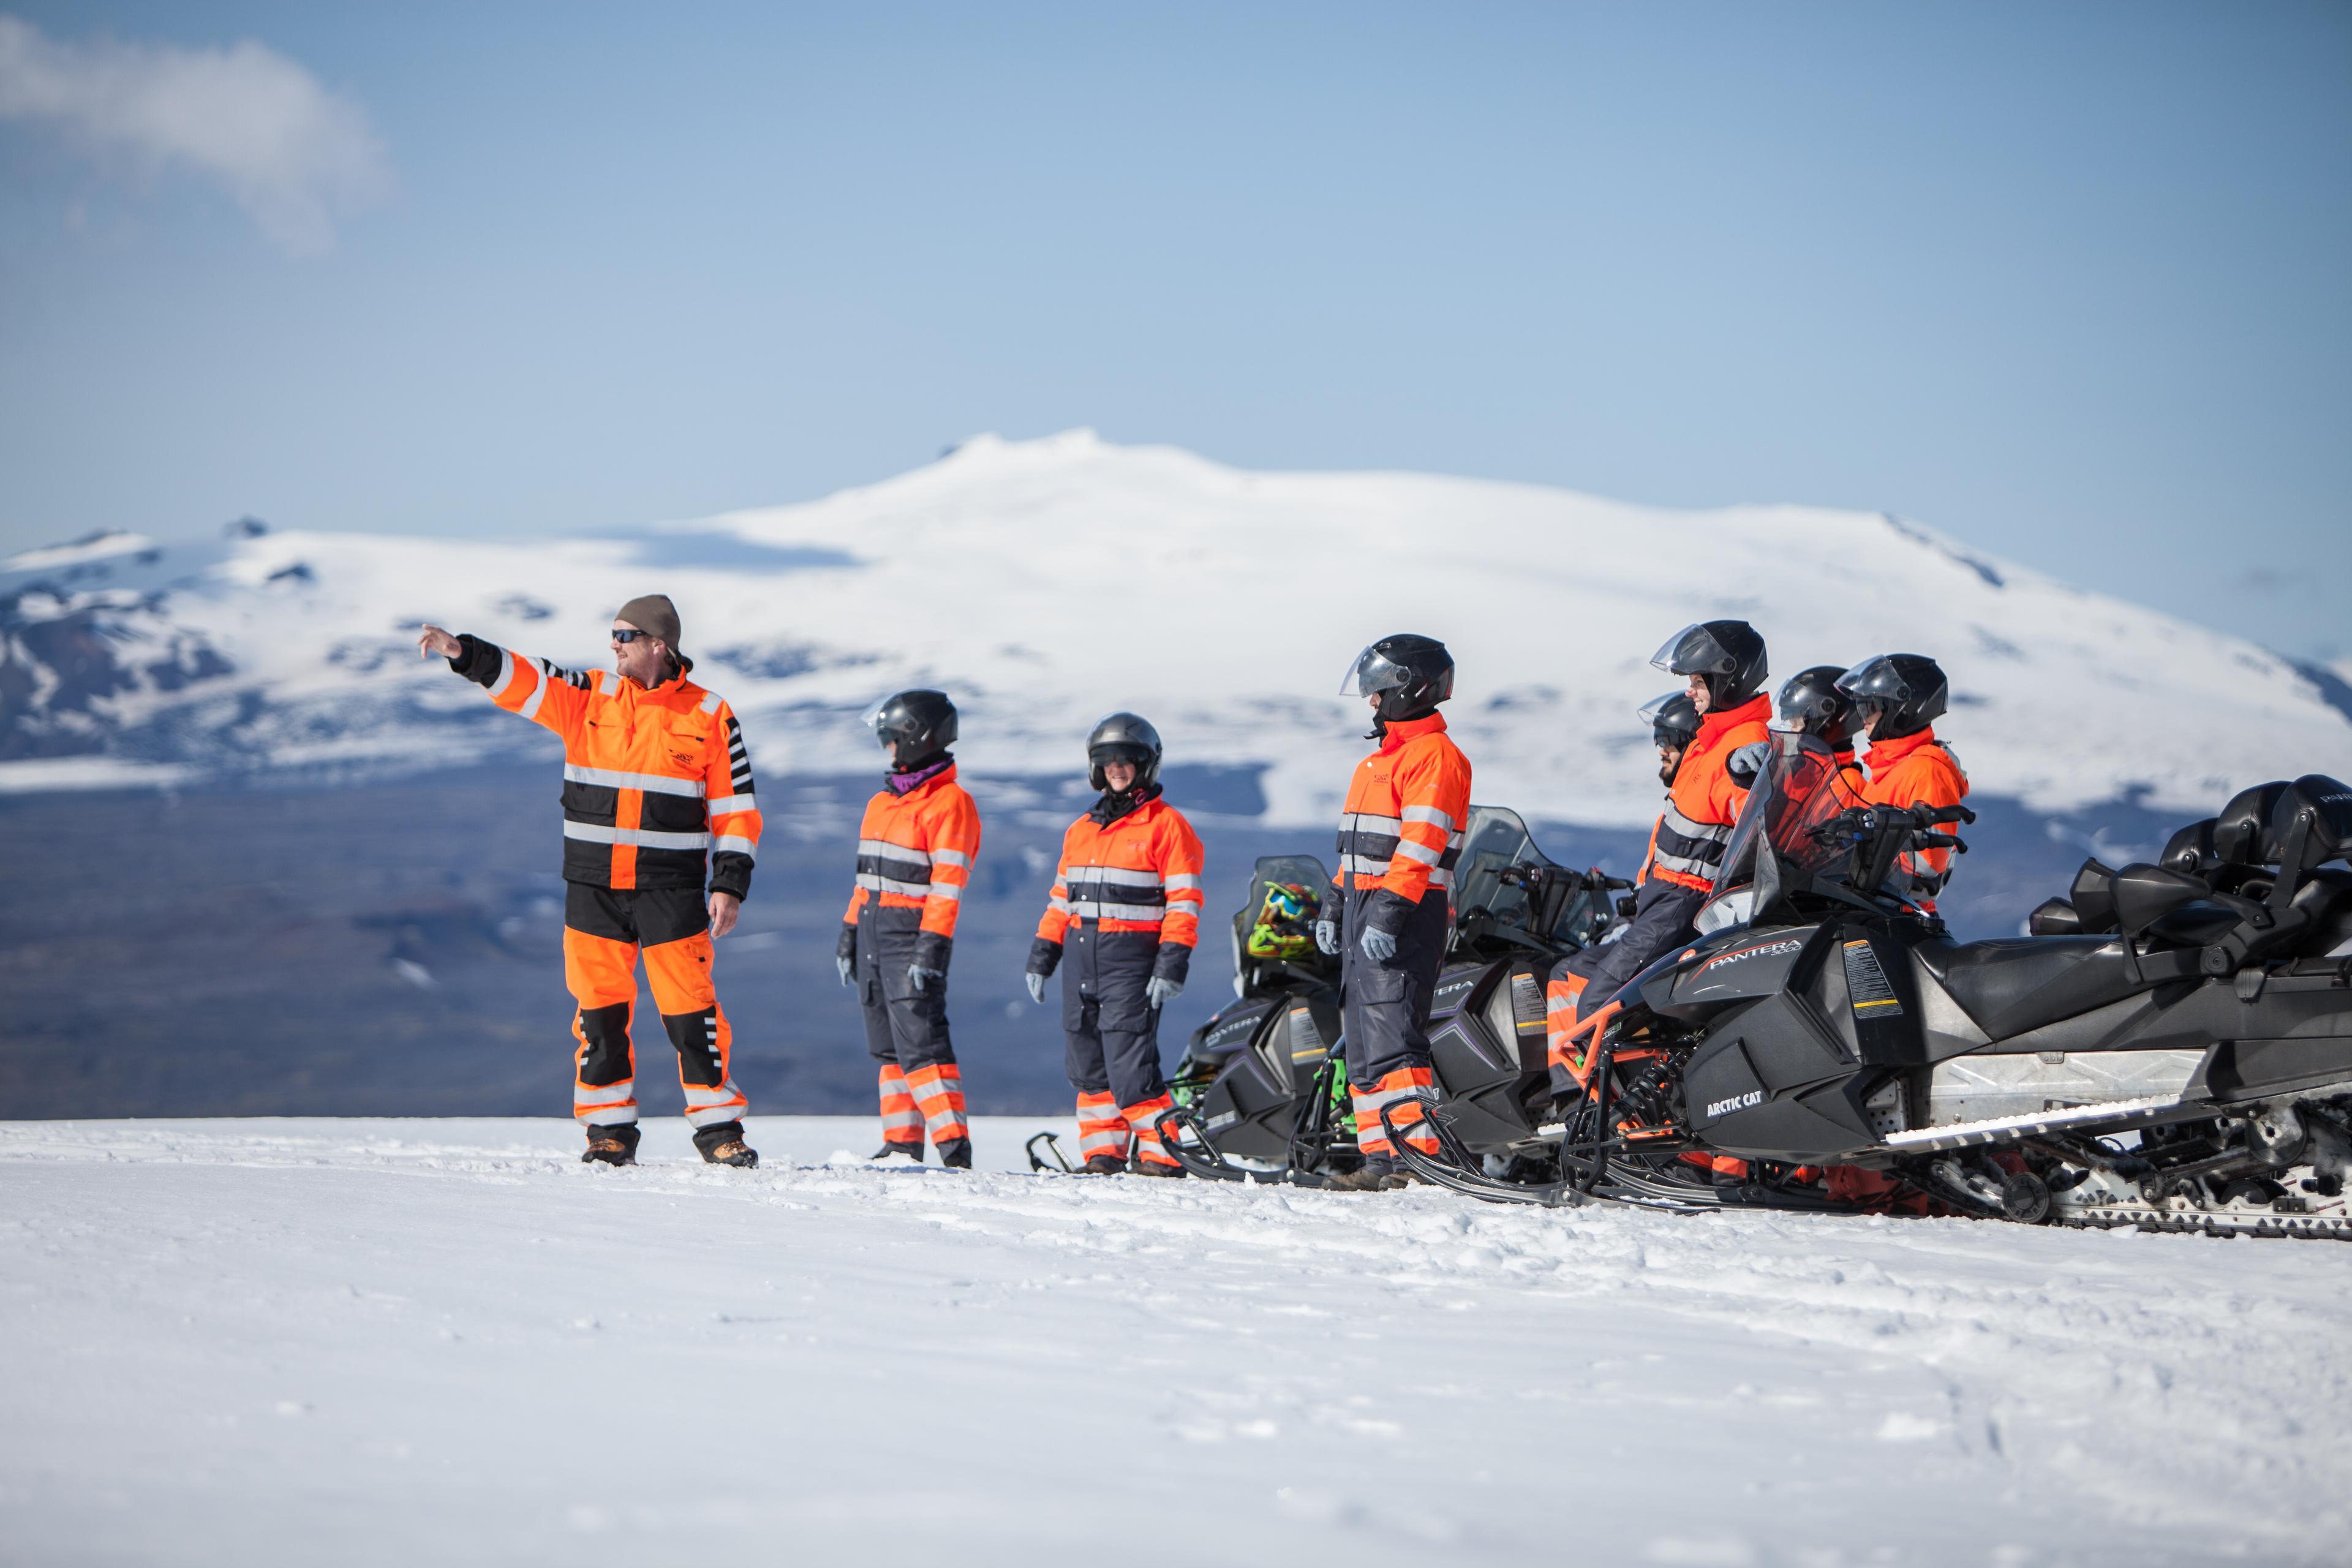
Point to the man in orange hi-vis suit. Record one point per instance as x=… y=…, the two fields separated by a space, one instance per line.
x=656 y=777
x=1898 y=697
x=915 y=851
x=1400 y=835
x=1125 y=914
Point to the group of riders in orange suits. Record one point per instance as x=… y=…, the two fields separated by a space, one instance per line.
x=662 y=828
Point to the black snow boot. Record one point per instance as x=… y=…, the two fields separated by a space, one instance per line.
x=911 y=1151
x=1155 y=1168
x=956 y=1156
x=1376 y=1175
x=612 y=1145
x=723 y=1145
x=1105 y=1165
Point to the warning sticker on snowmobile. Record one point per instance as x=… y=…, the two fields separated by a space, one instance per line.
x=1306 y=1039
x=1527 y=1005
x=1866 y=983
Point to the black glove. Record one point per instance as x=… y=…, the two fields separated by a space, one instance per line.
x=931 y=966
x=845 y=951
x=1045 y=957
x=1174 y=961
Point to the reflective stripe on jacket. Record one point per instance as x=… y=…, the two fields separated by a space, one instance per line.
x=1401 y=829
x=1687 y=847
x=915 y=851
x=1142 y=873
x=1918 y=770
x=654 y=778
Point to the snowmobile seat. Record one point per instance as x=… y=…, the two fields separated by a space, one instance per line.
x=2010 y=984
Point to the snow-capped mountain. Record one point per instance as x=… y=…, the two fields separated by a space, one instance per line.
x=1045 y=583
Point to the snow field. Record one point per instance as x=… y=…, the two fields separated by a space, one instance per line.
x=387 y=1342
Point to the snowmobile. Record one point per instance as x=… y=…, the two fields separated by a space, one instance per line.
x=2170 y=1047
x=1261 y=1090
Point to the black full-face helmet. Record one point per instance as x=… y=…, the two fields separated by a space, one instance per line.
x=1674 y=725
x=1409 y=673
x=1673 y=720
x=922 y=722
x=1728 y=656
x=1894 y=694
x=1812 y=704
x=1124 y=738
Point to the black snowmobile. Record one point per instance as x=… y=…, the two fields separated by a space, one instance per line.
x=2171 y=1048
x=1262 y=1091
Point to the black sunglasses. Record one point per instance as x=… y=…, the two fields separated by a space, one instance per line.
x=625 y=635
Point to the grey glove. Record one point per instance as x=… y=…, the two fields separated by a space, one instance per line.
x=1159 y=992
x=1748 y=760
x=920 y=978
x=1327 y=937
x=845 y=966
x=1036 y=987
x=1380 y=946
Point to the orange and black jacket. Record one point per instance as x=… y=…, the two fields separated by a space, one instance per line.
x=915 y=851
x=1138 y=872
x=1918 y=770
x=654 y=778
x=1401 y=827
x=1687 y=847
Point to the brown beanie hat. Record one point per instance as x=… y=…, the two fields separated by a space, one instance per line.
x=654 y=612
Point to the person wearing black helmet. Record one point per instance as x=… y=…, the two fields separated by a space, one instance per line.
x=1898 y=697
x=1674 y=722
x=915 y=851
x=1723 y=666
x=1808 y=704
x=1392 y=912
x=1125 y=914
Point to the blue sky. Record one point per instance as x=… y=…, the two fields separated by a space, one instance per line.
x=2068 y=282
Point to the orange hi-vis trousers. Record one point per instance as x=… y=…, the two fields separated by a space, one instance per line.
x=1105 y=1127
x=920 y=1086
x=1405 y=1093
x=605 y=930
x=929 y=1100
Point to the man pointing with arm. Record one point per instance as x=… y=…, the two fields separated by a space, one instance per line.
x=656 y=794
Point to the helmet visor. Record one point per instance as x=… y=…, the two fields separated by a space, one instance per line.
x=1372 y=672
x=882 y=713
x=1875 y=680
x=1693 y=651
x=1671 y=719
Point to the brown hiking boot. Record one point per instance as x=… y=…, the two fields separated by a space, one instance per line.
x=734 y=1152
x=612 y=1145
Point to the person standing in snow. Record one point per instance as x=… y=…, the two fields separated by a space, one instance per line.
x=1898 y=696
x=1391 y=913
x=1126 y=913
x=656 y=778
x=915 y=851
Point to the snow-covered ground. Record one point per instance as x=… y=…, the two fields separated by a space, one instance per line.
x=255 y=1342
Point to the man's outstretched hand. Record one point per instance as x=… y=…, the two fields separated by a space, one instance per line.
x=724 y=908
x=435 y=640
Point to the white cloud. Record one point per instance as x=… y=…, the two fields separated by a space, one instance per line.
x=292 y=153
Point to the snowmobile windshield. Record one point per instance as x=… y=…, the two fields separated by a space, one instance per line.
x=1800 y=787
x=1493 y=839
x=1694 y=650
x=1372 y=672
